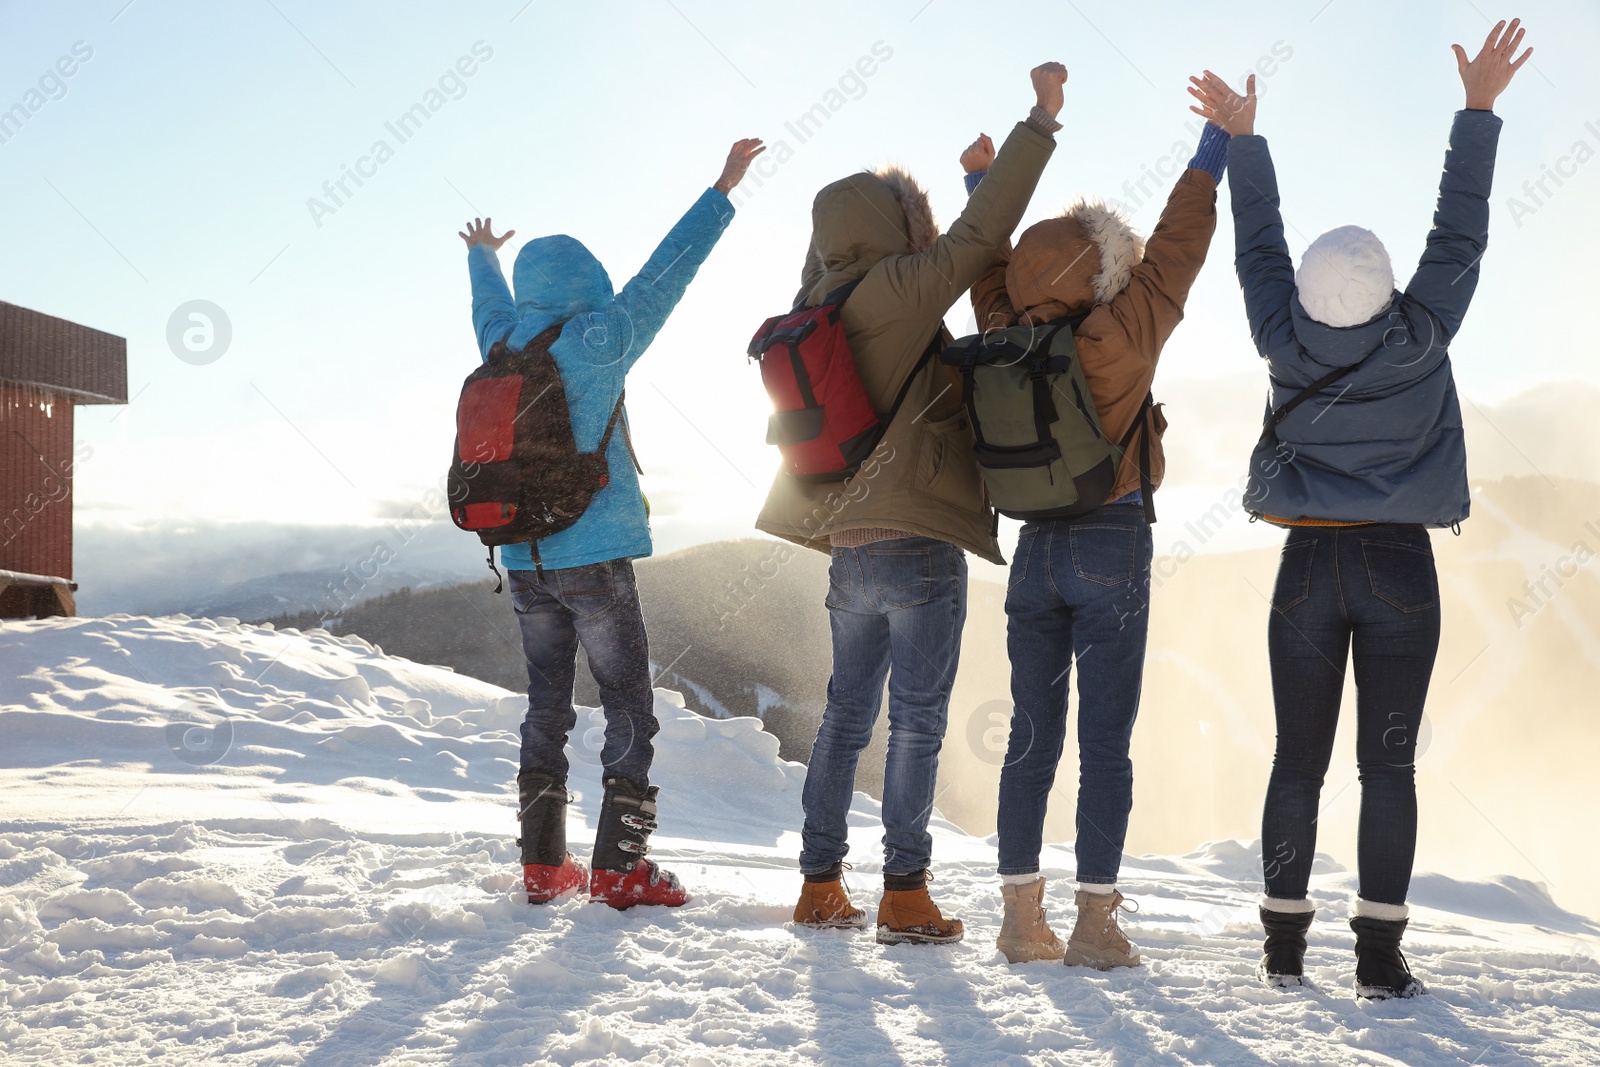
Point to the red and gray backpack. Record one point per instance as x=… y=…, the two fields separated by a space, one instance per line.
x=516 y=474
x=823 y=421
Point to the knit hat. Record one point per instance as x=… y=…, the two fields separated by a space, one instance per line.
x=1345 y=278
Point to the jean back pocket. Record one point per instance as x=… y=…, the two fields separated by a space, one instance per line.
x=1401 y=575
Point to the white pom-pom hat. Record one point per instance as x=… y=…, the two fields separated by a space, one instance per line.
x=1345 y=277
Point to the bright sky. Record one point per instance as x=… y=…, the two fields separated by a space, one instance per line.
x=176 y=163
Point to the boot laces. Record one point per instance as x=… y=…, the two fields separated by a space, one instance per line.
x=1122 y=904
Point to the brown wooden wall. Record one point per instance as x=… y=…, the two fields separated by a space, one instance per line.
x=36 y=462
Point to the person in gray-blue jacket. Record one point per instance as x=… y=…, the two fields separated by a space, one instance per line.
x=1362 y=453
x=577 y=587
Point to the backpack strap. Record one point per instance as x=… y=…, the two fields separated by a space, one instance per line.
x=835 y=297
x=1142 y=422
x=1044 y=405
x=543 y=339
x=1270 y=430
x=605 y=438
x=935 y=346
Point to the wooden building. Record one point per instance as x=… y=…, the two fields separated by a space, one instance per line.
x=48 y=366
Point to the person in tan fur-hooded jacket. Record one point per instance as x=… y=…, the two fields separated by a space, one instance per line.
x=897 y=528
x=1079 y=586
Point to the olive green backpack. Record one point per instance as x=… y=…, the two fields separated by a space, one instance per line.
x=1039 y=443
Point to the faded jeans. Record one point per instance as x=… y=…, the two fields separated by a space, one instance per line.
x=896 y=610
x=597 y=606
x=1078 y=592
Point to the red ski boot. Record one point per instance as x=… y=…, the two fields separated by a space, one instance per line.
x=544 y=882
x=622 y=876
x=645 y=884
x=548 y=869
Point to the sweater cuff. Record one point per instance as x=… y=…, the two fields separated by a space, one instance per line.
x=972 y=180
x=1212 y=154
x=1041 y=121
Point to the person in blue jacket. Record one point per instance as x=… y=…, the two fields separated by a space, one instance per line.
x=580 y=588
x=1362 y=454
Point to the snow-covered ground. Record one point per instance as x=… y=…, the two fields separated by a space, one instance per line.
x=226 y=844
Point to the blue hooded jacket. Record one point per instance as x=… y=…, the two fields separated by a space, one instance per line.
x=558 y=279
x=1384 y=443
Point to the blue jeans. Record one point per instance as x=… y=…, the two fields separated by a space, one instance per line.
x=597 y=605
x=1371 y=591
x=1078 y=588
x=896 y=608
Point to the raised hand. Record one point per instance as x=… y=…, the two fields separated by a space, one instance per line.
x=478 y=232
x=739 y=159
x=1487 y=76
x=1221 y=106
x=979 y=155
x=1049 y=85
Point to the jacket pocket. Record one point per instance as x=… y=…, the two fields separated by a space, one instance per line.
x=1401 y=575
x=901 y=577
x=1103 y=552
x=945 y=465
x=1293 y=586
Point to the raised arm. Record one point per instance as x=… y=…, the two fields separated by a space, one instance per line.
x=1151 y=306
x=1447 y=275
x=631 y=321
x=934 y=280
x=494 y=313
x=991 y=304
x=1261 y=255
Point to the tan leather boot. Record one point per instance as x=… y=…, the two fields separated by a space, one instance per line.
x=911 y=916
x=827 y=904
x=1024 y=935
x=1096 y=940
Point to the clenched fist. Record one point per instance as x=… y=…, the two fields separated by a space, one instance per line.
x=1049 y=85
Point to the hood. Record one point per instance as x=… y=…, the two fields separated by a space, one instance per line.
x=1066 y=265
x=556 y=277
x=1345 y=277
x=1338 y=346
x=858 y=220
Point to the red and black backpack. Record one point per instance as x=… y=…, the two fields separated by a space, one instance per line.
x=516 y=474
x=823 y=422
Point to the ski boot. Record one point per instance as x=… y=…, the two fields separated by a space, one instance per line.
x=548 y=869
x=622 y=875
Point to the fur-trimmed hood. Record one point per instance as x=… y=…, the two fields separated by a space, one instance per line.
x=1066 y=265
x=858 y=220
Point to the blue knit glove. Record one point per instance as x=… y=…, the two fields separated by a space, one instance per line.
x=1212 y=154
x=976 y=176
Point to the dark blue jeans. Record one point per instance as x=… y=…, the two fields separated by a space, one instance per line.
x=598 y=606
x=896 y=608
x=1079 y=588
x=1371 y=591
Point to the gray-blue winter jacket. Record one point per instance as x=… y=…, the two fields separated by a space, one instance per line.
x=1384 y=443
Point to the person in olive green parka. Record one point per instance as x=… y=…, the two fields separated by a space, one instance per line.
x=897 y=529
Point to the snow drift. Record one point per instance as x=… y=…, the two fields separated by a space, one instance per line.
x=229 y=844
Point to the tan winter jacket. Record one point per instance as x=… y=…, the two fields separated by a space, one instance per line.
x=1058 y=271
x=922 y=478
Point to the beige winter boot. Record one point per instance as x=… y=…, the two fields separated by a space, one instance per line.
x=1096 y=940
x=1024 y=935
